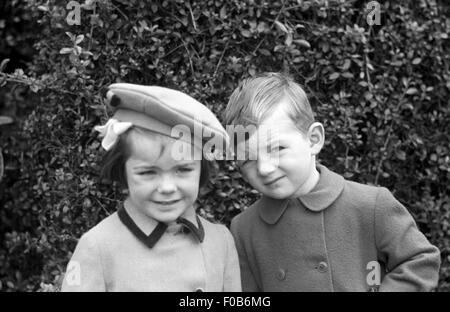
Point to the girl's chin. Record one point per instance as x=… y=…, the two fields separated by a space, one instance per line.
x=167 y=217
x=168 y=214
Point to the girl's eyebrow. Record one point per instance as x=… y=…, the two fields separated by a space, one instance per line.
x=144 y=167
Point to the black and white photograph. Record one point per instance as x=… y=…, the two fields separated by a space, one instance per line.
x=225 y=147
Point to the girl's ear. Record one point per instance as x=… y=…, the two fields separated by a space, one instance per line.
x=316 y=137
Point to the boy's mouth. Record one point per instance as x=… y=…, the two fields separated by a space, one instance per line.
x=166 y=202
x=273 y=181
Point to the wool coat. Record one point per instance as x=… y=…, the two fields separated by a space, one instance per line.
x=109 y=257
x=341 y=236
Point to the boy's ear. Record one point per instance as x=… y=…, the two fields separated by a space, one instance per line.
x=316 y=137
x=243 y=175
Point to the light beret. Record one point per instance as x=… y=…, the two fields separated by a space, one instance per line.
x=160 y=109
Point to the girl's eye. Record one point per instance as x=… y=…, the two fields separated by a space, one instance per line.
x=148 y=172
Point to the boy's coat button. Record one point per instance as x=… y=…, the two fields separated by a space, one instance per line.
x=322 y=267
x=281 y=274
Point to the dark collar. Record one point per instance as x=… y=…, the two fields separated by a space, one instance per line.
x=160 y=229
x=199 y=232
x=326 y=191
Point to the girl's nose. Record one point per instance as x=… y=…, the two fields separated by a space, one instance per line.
x=167 y=185
x=266 y=166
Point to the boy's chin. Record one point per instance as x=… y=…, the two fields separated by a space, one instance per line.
x=277 y=193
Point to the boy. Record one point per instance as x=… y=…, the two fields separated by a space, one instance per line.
x=312 y=230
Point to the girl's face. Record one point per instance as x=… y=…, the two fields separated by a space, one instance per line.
x=160 y=187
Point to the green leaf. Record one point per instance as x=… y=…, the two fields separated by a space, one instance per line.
x=262 y=27
x=4 y=120
x=347 y=75
x=79 y=39
x=346 y=65
x=71 y=36
x=400 y=155
x=246 y=33
x=223 y=12
x=281 y=27
x=302 y=43
x=334 y=76
x=397 y=63
x=411 y=91
x=3 y=64
x=264 y=52
x=288 y=40
x=65 y=51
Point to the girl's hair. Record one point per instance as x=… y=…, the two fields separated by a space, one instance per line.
x=113 y=163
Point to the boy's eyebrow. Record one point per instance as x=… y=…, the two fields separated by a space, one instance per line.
x=272 y=139
x=249 y=154
x=190 y=163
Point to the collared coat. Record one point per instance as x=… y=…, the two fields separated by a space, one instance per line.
x=110 y=258
x=342 y=236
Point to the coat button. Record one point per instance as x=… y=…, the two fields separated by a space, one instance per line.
x=322 y=267
x=281 y=274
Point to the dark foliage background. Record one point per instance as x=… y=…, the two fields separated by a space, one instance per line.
x=382 y=93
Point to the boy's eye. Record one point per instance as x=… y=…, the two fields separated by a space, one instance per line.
x=185 y=169
x=277 y=148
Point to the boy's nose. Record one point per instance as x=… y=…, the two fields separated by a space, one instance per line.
x=266 y=167
x=166 y=186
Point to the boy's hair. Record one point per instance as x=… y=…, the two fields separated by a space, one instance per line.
x=257 y=97
x=113 y=163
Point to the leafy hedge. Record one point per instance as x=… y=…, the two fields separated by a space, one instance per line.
x=381 y=91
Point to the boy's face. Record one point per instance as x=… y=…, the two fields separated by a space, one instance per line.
x=280 y=160
x=160 y=187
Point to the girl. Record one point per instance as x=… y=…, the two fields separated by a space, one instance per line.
x=155 y=241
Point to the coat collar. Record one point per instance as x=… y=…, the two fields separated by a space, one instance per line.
x=326 y=191
x=150 y=240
